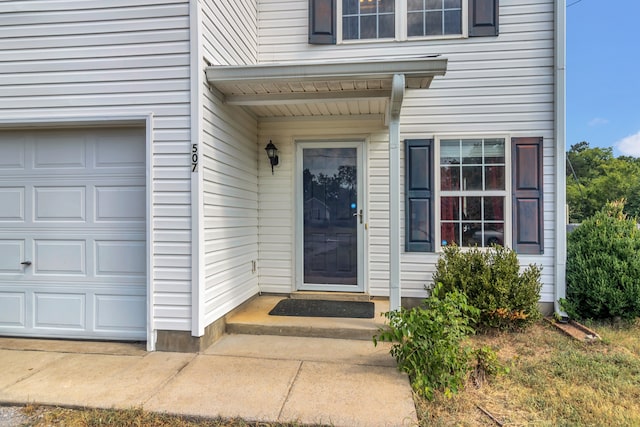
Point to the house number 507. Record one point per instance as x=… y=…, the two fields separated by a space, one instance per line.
x=194 y=157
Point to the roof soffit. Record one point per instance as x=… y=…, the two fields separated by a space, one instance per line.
x=325 y=82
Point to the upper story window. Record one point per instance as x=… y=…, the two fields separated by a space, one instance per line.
x=368 y=19
x=331 y=21
x=376 y=19
x=434 y=17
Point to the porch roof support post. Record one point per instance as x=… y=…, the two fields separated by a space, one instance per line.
x=197 y=177
x=395 y=105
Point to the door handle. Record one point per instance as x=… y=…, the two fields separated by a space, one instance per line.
x=359 y=214
x=26 y=263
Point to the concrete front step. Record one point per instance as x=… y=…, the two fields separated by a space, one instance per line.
x=346 y=333
x=331 y=296
x=253 y=319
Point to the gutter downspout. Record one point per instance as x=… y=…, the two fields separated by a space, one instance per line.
x=395 y=105
x=560 y=140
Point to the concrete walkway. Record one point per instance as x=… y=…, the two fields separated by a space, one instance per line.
x=255 y=377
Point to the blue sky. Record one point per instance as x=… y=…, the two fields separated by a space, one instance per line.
x=603 y=74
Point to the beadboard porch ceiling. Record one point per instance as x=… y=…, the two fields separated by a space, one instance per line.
x=322 y=88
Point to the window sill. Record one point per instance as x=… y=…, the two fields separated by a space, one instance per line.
x=366 y=41
x=405 y=40
x=435 y=38
x=440 y=249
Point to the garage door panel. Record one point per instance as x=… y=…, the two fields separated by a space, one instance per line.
x=11 y=255
x=73 y=202
x=12 y=152
x=59 y=151
x=117 y=312
x=119 y=203
x=119 y=149
x=120 y=258
x=59 y=257
x=12 y=309
x=59 y=311
x=60 y=203
x=12 y=203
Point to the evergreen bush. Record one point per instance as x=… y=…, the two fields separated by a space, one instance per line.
x=603 y=267
x=506 y=297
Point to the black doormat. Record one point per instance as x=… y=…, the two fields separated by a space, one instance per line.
x=323 y=308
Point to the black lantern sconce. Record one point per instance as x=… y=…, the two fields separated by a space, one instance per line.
x=272 y=153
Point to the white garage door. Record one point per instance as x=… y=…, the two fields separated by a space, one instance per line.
x=72 y=233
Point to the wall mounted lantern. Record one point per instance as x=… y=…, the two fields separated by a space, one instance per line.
x=272 y=153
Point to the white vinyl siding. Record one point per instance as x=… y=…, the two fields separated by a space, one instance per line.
x=77 y=59
x=230 y=31
x=229 y=162
x=493 y=85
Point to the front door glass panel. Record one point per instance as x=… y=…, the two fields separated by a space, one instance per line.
x=330 y=216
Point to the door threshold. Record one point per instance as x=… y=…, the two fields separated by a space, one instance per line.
x=331 y=296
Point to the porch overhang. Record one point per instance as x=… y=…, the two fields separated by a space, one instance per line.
x=320 y=82
x=348 y=88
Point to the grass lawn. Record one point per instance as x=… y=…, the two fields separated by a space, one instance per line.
x=553 y=381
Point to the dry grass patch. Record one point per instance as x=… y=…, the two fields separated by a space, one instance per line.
x=64 y=417
x=622 y=334
x=553 y=381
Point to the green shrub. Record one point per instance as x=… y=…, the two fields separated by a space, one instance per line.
x=492 y=280
x=487 y=365
x=428 y=342
x=603 y=267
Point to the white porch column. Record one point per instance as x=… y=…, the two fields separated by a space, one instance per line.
x=395 y=105
x=197 y=177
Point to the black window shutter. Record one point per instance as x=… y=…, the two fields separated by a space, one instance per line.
x=483 y=18
x=322 y=21
x=528 y=217
x=418 y=195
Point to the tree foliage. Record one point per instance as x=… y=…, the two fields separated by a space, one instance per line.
x=595 y=177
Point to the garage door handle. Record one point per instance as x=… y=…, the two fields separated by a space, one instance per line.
x=27 y=263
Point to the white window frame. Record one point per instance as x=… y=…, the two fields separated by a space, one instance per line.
x=401 y=24
x=438 y=193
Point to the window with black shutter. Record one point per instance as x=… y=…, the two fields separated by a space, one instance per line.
x=527 y=188
x=483 y=18
x=457 y=193
x=419 y=195
x=322 y=21
x=367 y=19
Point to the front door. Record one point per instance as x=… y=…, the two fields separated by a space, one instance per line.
x=331 y=210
